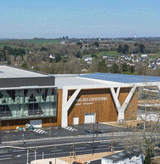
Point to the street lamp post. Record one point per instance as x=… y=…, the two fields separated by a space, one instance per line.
x=0 y=132
x=27 y=155
x=35 y=155
x=97 y=120
x=93 y=140
x=42 y=155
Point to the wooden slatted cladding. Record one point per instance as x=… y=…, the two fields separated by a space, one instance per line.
x=97 y=101
x=100 y=101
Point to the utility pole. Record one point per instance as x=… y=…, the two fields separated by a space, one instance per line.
x=93 y=140
x=27 y=155
x=0 y=132
x=97 y=120
x=35 y=155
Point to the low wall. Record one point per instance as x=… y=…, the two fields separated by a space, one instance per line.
x=49 y=161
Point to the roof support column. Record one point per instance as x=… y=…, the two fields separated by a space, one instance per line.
x=67 y=104
x=121 y=109
x=64 y=118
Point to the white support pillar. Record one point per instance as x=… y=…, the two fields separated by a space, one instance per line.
x=120 y=116
x=117 y=92
x=67 y=104
x=64 y=118
x=115 y=98
x=126 y=102
x=121 y=109
x=158 y=87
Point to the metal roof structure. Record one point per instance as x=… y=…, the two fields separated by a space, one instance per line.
x=11 y=72
x=121 y=78
x=11 y=77
x=75 y=80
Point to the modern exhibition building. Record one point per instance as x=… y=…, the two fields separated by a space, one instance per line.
x=61 y=100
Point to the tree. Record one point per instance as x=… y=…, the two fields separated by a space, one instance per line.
x=141 y=48
x=135 y=44
x=9 y=62
x=24 y=66
x=119 y=49
x=147 y=159
x=124 y=67
x=125 y=49
x=149 y=121
x=132 y=69
x=149 y=150
x=79 y=43
x=102 y=66
x=115 y=68
x=43 y=49
x=78 y=55
x=96 y=44
x=58 y=58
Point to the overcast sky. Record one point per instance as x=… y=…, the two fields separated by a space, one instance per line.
x=79 y=18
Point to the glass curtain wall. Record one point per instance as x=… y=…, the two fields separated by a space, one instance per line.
x=27 y=103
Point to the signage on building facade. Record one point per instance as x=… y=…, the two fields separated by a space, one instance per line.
x=89 y=100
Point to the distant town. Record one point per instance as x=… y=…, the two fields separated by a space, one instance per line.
x=138 y=56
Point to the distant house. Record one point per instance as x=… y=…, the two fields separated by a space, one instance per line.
x=109 y=65
x=109 y=58
x=127 y=58
x=84 y=70
x=125 y=157
x=105 y=56
x=153 y=66
x=158 y=61
x=123 y=55
x=144 y=56
x=135 y=59
x=30 y=52
x=88 y=59
x=134 y=55
x=52 y=56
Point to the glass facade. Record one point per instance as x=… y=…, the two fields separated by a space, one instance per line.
x=28 y=103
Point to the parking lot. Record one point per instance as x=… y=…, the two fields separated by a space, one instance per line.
x=14 y=135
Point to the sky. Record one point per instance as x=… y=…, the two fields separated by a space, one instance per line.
x=27 y=19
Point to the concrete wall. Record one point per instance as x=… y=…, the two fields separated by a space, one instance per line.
x=48 y=161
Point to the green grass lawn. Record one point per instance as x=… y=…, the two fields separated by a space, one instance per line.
x=12 y=46
x=156 y=55
x=43 y=41
x=110 y=53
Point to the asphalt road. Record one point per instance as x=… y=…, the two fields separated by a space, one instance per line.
x=51 y=142
x=16 y=152
x=18 y=155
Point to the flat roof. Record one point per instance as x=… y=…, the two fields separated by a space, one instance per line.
x=121 y=78
x=75 y=80
x=11 y=72
x=121 y=155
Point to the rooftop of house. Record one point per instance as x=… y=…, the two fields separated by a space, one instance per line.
x=121 y=155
